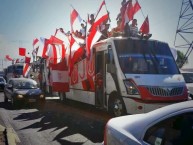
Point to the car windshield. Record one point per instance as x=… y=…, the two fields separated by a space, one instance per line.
x=145 y=57
x=1 y=73
x=188 y=77
x=23 y=84
x=2 y=80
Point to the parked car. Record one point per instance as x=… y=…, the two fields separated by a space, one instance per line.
x=188 y=77
x=169 y=125
x=2 y=83
x=2 y=74
x=23 y=90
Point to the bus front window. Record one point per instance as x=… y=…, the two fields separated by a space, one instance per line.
x=19 y=70
x=145 y=57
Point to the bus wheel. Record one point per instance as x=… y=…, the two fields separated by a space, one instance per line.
x=116 y=106
x=62 y=97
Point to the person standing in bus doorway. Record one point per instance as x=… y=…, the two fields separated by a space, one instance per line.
x=99 y=88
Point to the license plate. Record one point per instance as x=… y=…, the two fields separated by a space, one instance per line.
x=32 y=100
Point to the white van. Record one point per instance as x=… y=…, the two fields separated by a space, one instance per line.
x=188 y=77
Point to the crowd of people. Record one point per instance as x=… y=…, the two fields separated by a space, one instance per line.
x=130 y=28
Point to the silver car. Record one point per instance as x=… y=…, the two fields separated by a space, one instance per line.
x=170 y=125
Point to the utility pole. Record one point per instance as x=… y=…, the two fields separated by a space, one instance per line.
x=184 y=32
x=1 y=61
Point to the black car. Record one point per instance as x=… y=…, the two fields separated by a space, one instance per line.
x=23 y=91
x=2 y=83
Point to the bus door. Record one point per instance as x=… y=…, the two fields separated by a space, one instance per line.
x=100 y=79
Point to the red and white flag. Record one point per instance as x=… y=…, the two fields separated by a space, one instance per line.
x=43 y=46
x=7 y=57
x=145 y=26
x=60 y=80
x=55 y=53
x=55 y=50
x=26 y=69
x=22 y=51
x=75 y=21
x=60 y=34
x=102 y=15
x=92 y=37
x=129 y=11
x=35 y=46
x=76 y=52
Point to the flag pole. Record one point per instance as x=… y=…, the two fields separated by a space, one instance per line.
x=107 y=11
x=141 y=11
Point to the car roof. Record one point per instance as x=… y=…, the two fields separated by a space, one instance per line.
x=136 y=124
x=22 y=79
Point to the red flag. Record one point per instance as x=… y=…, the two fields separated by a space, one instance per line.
x=7 y=57
x=22 y=51
x=75 y=21
x=132 y=10
x=102 y=15
x=59 y=74
x=27 y=59
x=26 y=69
x=145 y=26
x=136 y=7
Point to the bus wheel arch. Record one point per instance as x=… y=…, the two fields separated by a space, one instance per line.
x=116 y=105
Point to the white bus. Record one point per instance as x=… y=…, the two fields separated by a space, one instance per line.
x=138 y=76
x=14 y=71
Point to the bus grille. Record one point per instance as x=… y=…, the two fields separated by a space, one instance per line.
x=164 y=91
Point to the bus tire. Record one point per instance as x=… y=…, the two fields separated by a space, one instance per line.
x=116 y=106
x=62 y=97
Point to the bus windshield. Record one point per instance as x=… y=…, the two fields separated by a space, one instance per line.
x=19 y=70
x=145 y=57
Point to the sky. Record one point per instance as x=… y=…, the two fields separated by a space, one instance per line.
x=21 y=21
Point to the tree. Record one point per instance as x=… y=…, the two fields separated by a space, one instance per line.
x=181 y=59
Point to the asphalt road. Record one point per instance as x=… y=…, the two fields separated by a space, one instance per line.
x=56 y=124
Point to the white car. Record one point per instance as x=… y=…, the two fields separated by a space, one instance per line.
x=188 y=77
x=169 y=125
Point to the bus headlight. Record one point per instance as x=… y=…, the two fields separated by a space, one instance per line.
x=41 y=96
x=19 y=96
x=131 y=88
